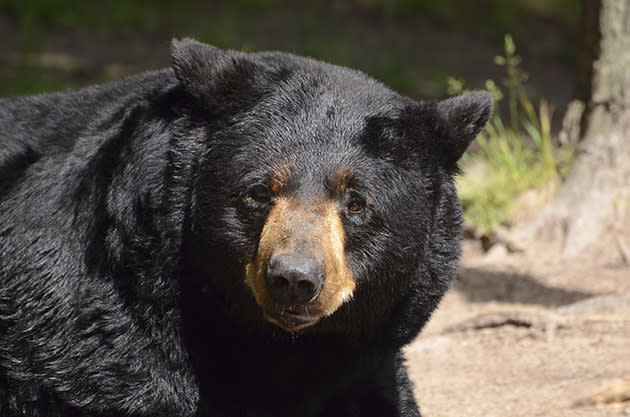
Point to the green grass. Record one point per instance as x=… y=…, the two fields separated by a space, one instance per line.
x=511 y=160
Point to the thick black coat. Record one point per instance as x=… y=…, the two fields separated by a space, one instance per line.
x=126 y=223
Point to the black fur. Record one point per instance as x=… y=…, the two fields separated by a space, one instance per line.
x=123 y=239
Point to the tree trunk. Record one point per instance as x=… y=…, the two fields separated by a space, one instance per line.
x=598 y=187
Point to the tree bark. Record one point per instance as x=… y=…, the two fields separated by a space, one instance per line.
x=596 y=195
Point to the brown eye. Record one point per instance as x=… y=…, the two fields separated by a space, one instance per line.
x=258 y=194
x=356 y=204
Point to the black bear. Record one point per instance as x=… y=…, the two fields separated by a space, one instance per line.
x=239 y=235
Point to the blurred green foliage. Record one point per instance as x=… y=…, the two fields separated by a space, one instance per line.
x=147 y=14
x=512 y=160
x=378 y=36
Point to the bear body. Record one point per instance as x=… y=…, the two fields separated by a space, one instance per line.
x=238 y=235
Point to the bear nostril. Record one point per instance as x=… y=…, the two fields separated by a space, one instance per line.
x=293 y=279
x=278 y=281
x=304 y=285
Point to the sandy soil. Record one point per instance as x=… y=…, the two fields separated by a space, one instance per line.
x=521 y=335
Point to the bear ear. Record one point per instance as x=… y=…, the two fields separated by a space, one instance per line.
x=459 y=121
x=197 y=64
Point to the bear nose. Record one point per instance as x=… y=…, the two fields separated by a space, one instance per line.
x=294 y=279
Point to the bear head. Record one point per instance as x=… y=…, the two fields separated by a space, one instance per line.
x=324 y=202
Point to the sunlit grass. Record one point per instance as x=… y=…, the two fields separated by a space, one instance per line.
x=511 y=160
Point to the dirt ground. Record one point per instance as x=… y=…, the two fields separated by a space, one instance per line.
x=526 y=335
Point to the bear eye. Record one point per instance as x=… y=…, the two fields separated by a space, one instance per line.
x=258 y=194
x=356 y=203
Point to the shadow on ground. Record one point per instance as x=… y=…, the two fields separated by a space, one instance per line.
x=482 y=285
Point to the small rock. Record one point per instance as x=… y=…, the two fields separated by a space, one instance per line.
x=497 y=253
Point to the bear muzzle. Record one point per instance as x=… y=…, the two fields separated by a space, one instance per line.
x=299 y=274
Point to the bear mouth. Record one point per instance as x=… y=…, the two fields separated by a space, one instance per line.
x=292 y=318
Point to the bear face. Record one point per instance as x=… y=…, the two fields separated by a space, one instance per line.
x=326 y=196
